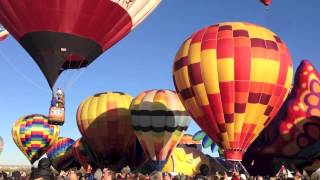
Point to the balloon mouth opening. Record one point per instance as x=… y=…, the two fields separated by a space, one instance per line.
x=234 y=154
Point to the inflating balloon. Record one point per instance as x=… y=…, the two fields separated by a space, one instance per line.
x=187 y=139
x=295 y=132
x=3 y=33
x=61 y=35
x=34 y=136
x=83 y=154
x=233 y=78
x=104 y=121
x=206 y=140
x=60 y=154
x=135 y=155
x=186 y=160
x=159 y=120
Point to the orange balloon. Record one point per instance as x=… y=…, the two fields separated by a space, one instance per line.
x=232 y=78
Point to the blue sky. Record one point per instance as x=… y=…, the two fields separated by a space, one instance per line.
x=143 y=60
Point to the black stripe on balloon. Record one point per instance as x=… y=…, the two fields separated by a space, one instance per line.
x=116 y=92
x=56 y=51
x=160 y=129
x=75 y=64
x=158 y=113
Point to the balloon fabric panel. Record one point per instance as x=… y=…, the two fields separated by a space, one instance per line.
x=60 y=153
x=233 y=78
x=266 y=2
x=3 y=33
x=33 y=135
x=295 y=131
x=105 y=123
x=159 y=120
x=70 y=34
x=1 y=145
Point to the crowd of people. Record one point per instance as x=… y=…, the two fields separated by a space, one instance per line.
x=45 y=172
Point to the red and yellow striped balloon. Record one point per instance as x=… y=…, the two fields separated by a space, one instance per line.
x=232 y=78
x=105 y=123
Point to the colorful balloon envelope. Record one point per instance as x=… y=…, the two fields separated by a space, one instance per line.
x=295 y=132
x=232 y=78
x=105 y=124
x=61 y=35
x=186 y=160
x=135 y=155
x=34 y=136
x=159 y=120
x=81 y=152
x=1 y=145
x=187 y=139
x=3 y=33
x=266 y=2
x=60 y=154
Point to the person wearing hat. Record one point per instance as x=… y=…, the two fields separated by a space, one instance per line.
x=16 y=175
x=43 y=171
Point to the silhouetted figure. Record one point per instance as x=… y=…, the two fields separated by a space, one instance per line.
x=43 y=171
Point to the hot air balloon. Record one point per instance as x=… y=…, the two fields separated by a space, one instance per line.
x=159 y=120
x=266 y=2
x=135 y=155
x=3 y=33
x=186 y=160
x=1 y=144
x=293 y=136
x=83 y=153
x=60 y=154
x=206 y=140
x=233 y=78
x=105 y=124
x=34 y=136
x=61 y=35
x=187 y=140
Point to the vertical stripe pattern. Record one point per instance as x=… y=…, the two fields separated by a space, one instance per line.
x=233 y=78
x=105 y=123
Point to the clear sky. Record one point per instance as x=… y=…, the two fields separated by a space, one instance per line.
x=143 y=60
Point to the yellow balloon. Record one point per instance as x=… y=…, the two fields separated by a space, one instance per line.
x=104 y=121
x=186 y=160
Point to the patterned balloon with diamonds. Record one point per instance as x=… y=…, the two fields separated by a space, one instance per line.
x=34 y=136
x=60 y=154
